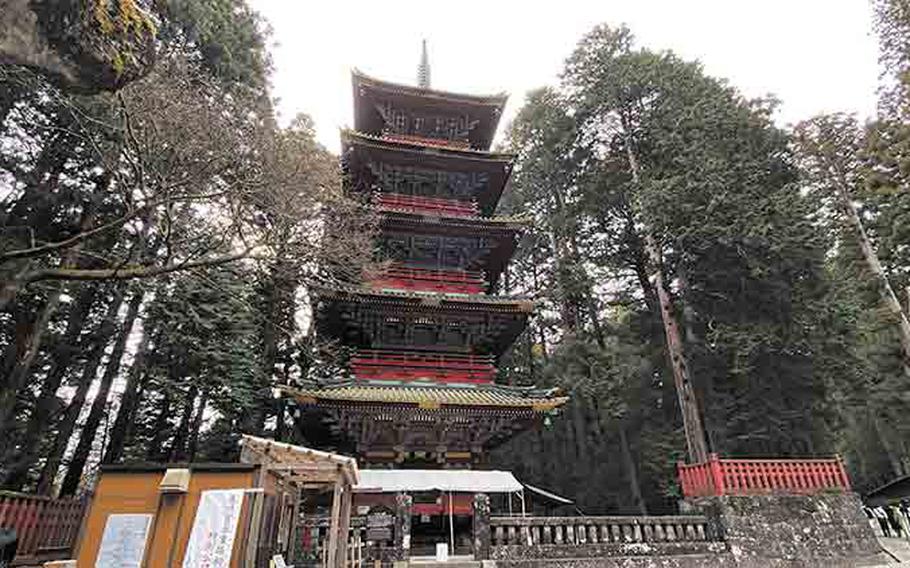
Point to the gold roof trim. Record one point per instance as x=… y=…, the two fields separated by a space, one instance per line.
x=426 y=397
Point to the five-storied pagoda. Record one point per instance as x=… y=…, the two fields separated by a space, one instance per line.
x=428 y=331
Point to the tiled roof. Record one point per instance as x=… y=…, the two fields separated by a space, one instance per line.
x=429 y=298
x=498 y=99
x=432 y=396
x=513 y=222
x=355 y=136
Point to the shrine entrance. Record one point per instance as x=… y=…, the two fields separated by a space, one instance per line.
x=441 y=502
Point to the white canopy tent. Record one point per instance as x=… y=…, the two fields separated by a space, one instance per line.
x=445 y=480
x=449 y=480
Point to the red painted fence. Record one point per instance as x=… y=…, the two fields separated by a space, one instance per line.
x=47 y=528
x=752 y=477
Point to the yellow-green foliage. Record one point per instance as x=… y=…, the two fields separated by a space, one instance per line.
x=123 y=25
x=125 y=17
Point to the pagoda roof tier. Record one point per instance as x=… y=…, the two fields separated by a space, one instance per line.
x=365 y=155
x=371 y=95
x=441 y=223
x=435 y=300
x=388 y=424
x=491 y=242
x=434 y=397
x=400 y=319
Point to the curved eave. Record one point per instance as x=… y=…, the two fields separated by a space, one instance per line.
x=351 y=136
x=470 y=224
x=359 y=78
x=426 y=397
x=429 y=299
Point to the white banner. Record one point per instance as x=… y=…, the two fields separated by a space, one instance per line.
x=123 y=541
x=212 y=538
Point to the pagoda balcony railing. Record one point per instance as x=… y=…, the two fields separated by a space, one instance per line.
x=718 y=477
x=401 y=365
x=427 y=205
x=431 y=280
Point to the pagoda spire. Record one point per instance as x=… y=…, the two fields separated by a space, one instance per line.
x=423 y=70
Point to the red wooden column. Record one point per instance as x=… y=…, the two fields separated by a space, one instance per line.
x=844 y=479
x=717 y=474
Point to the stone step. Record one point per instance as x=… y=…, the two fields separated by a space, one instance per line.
x=897 y=549
x=452 y=562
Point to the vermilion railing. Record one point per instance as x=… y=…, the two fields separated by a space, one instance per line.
x=432 y=205
x=752 y=477
x=387 y=364
x=449 y=281
x=46 y=528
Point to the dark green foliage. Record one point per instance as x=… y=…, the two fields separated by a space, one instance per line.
x=179 y=196
x=228 y=37
x=719 y=189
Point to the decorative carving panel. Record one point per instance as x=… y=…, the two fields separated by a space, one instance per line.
x=436 y=252
x=426 y=182
x=440 y=126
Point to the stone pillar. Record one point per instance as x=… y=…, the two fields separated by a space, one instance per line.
x=482 y=540
x=402 y=526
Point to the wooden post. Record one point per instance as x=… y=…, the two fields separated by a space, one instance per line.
x=844 y=478
x=344 y=526
x=332 y=551
x=293 y=544
x=717 y=475
x=683 y=480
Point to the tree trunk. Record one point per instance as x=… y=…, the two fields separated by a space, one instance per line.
x=631 y=469
x=129 y=401
x=153 y=451
x=99 y=405
x=9 y=393
x=875 y=267
x=541 y=335
x=67 y=424
x=196 y=428
x=178 y=445
x=41 y=417
x=688 y=404
x=281 y=404
x=882 y=433
x=23 y=326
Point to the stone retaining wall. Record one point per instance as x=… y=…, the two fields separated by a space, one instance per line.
x=827 y=529
x=763 y=531
x=605 y=550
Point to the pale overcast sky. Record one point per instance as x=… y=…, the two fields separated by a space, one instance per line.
x=815 y=55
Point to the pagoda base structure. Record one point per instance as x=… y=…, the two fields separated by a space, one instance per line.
x=440 y=426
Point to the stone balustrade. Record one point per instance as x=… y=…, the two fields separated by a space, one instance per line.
x=576 y=537
x=593 y=530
